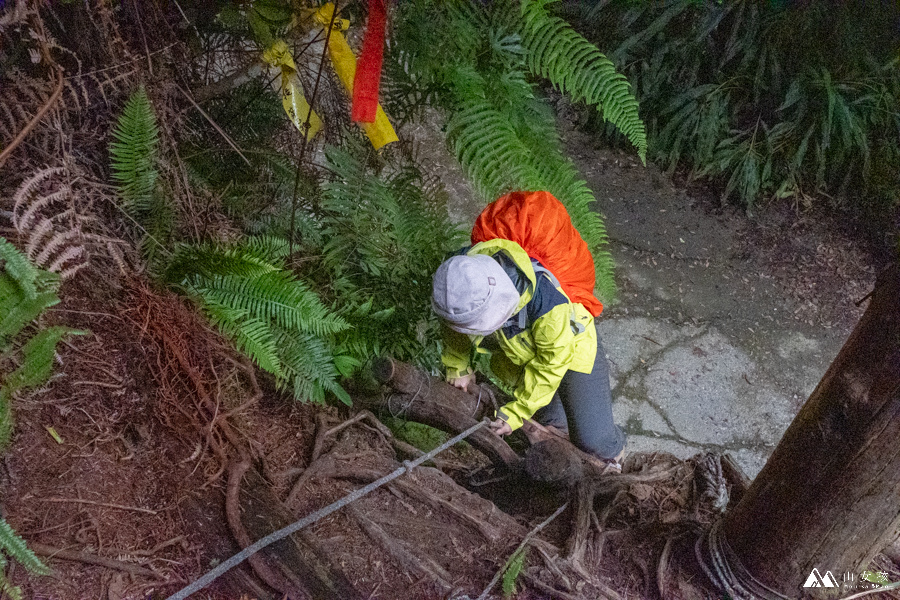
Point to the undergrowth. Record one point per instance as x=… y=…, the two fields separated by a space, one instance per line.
x=775 y=100
x=27 y=352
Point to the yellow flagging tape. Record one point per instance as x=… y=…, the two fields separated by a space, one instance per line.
x=292 y=98
x=380 y=132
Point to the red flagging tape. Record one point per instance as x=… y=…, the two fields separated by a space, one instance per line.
x=368 y=69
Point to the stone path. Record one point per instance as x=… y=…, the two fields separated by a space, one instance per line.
x=703 y=346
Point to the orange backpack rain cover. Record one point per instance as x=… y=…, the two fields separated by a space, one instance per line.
x=539 y=223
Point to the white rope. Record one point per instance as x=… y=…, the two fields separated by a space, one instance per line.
x=312 y=518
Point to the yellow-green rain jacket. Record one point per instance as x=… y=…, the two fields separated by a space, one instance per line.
x=557 y=336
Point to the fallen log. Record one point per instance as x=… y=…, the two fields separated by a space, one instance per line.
x=550 y=459
x=439 y=405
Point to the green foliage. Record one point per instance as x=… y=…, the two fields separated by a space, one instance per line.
x=133 y=160
x=385 y=235
x=26 y=361
x=26 y=356
x=12 y=546
x=273 y=317
x=775 y=100
x=474 y=60
x=579 y=69
x=512 y=570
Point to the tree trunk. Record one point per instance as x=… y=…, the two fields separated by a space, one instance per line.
x=829 y=496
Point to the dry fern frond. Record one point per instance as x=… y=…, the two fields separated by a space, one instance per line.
x=54 y=242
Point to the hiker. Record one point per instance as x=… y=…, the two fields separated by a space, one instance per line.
x=498 y=297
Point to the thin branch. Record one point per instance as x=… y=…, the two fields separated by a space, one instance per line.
x=91 y=559
x=94 y=503
x=37 y=118
x=214 y=124
x=521 y=546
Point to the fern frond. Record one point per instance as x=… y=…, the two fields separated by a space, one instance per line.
x=37 y=358
x=16 y=548
x=577 y=68
x=514 y=566
x=24 y=206
x=133 y=154
x=22 y=272
x=487 y=146
x=17 y=310
x=252 y=336
x=209 y=260
x=274 y=296
x=54 y=242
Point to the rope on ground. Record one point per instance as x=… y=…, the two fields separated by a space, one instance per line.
x=727 y=573
x=525 y=541
x=313 y=517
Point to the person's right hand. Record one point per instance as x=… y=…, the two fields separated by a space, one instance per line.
x=462 y=382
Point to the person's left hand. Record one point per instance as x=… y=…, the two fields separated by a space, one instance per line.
x=500 y=427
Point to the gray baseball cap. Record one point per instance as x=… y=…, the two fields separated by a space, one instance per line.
x=473 y=294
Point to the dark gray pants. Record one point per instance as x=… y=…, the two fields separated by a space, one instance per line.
x=583 y=406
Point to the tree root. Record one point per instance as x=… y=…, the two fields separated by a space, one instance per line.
x=424 y=566
x=422 y=494
x=233 y=515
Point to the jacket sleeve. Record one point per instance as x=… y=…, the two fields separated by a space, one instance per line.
x=554 y=349
x=456 y=354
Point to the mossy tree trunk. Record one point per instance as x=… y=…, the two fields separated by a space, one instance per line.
x=829 y=496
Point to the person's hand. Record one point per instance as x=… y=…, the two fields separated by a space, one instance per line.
x=462 y=382
x=500 y=427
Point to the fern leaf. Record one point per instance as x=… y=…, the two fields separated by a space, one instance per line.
x=17 y=310
x=15 y=547
x=275 y=296
x=579 y=69
x=38 y=354
x=252 y=336
x=6 y=418
x=133 y=154
x=514 y=566
x=23 y=273
x=208 y=260
x=488 y=147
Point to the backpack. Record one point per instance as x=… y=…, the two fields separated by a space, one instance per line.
x=539 y=223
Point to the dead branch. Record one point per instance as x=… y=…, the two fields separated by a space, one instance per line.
x=422 y=494
x=547 y=589
x=577 y=544
x=151 y=552
x=94 y=503
x=91 y=559
x=520 y=547
x=37 y=118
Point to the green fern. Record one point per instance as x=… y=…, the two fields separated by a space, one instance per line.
x=26 y=358
x=513 y=568
x=387 y=233
x=133 y=160
x=134 y=153
x=476 y=66
x=577 y=68
x=770 y=99
x=12 y=546
x=271 y=316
